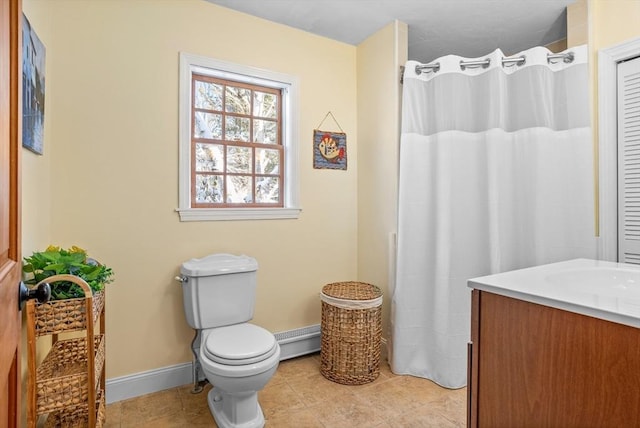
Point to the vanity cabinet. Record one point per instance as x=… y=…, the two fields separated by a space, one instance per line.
x=68 y=384
x=532 y=365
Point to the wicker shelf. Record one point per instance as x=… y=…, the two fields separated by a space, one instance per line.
x=77 y=416
x=64 y=316
x=68 y=385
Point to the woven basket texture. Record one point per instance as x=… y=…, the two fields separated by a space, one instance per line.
x=59 y=316
x=76 y=417
x=350 y=338
x=62 y=376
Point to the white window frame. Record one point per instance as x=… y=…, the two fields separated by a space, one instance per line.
x=289 y=85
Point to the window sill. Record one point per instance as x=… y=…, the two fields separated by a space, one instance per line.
x=213 y=214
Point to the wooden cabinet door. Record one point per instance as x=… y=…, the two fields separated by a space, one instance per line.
x=538 y=366
x=10 y=256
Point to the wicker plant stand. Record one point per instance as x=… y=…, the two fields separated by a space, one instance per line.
x=351 y=331
x=68 y=385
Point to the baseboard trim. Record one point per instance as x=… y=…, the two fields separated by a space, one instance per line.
x=147 y=382
x=293 y=343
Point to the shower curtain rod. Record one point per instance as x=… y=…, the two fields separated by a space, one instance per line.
x=520 y=60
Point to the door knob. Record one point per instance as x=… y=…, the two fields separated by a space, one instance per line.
x=42 y=292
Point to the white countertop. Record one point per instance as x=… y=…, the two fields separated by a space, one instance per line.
x=605 y=290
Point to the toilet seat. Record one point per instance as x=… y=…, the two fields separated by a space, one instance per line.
x=239 y=344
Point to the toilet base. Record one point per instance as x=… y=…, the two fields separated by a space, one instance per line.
x=235 y=411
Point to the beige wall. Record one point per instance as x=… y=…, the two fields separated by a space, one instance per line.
x=613 y=21
x=112 y=163
x=557 y=46
x=379 y=92
x=578 y=23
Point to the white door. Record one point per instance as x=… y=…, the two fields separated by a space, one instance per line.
x=629 y=161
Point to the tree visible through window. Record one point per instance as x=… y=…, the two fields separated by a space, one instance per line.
x=236 y=144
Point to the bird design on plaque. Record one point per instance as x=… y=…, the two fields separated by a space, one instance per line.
x=330 y=150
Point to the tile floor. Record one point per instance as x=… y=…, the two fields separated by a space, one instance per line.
x=299 y=396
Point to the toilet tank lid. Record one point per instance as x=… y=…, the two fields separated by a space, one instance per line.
x=218 y=264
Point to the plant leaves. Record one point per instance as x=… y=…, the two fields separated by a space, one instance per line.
x=55 y=260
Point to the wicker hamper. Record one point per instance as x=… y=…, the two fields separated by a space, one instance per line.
x=351 y=330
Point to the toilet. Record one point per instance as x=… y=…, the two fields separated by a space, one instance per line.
x=238 y=358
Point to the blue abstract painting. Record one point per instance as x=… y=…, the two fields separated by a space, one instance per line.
x=33 y=62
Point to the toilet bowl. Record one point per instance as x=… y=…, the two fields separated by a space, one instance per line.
x=236 y=357
x=238 y=360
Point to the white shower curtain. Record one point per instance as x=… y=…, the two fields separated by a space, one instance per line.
x=496 y=173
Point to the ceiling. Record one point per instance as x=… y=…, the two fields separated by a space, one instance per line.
x=469 y=28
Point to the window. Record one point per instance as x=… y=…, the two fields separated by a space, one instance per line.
x=238 y=148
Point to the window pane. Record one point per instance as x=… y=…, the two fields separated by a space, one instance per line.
x=239 y=159
x=207 y=125
x=238 y=100
x=267 y=161
x=209 y=188
x=239 y=189
x=236 y=128
x=267 y=190
x=209 y=157
x=265 y=131
x=265 y=105
x=208 y=95
x=236 y=148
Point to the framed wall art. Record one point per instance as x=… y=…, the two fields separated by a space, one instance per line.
x=33 y=68
x=329 y=148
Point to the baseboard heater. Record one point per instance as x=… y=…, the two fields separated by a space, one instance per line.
x=299 y=341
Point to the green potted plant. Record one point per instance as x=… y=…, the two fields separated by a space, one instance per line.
x=73 y=261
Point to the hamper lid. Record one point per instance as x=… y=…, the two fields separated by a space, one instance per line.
x=352 y=295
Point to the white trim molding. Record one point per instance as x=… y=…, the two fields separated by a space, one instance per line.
x=206 y=214
x=608 y=59
x=147 y=382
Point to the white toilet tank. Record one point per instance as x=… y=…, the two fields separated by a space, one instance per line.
x=219 y=290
